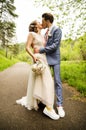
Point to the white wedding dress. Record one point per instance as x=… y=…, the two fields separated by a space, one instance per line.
x=40 y=87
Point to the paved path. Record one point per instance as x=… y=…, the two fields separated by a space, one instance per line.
x=13 y=85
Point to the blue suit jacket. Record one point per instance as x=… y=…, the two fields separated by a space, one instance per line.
x=52 y=48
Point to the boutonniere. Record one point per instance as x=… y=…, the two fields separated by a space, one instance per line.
x=49 y=35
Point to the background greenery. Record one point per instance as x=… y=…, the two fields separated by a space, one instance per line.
x=74 y=73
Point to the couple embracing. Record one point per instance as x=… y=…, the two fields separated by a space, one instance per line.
x=41 y=87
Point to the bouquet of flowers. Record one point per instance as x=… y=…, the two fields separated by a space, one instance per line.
x=38 y=67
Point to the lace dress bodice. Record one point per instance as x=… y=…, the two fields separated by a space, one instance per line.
x=38 y=40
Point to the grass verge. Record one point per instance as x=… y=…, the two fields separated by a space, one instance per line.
x=5 y=62
x=74 y=73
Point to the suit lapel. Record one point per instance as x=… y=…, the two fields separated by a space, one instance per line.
x=51 y=32
x=53 y=28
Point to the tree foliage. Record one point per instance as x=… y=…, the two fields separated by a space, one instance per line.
x=74 y=49
x=82 y=46
x=70 y=15
x=7 y=25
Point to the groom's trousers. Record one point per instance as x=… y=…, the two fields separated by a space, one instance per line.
x=58 y=84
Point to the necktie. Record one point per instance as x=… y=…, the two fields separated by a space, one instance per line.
x=46 y=35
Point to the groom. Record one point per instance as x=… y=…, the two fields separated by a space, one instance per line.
x=52 y=50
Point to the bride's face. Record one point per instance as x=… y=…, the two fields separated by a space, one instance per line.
x=39 y=25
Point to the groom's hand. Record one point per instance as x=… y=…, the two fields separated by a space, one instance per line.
x=36 y=49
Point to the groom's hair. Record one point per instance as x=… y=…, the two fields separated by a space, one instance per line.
x=48 y=16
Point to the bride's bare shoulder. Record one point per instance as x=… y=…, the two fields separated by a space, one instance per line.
x=32 y=33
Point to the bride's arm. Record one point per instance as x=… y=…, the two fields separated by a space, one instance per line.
x=28 y=45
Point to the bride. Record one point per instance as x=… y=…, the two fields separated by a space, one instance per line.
x=40 y=86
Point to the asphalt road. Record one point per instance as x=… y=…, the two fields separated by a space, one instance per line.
x=13 y=85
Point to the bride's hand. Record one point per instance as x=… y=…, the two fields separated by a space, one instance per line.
x=35 y=58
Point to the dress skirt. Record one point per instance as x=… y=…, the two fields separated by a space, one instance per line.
x=40 y=88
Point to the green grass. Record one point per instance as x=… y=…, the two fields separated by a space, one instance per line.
x=5 y=62
x=74 y=73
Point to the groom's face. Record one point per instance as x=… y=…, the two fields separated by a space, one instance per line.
x=44 y=23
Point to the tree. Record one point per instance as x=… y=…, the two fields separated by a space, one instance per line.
x=82 y=46
x=7 y=25
x=70 y=15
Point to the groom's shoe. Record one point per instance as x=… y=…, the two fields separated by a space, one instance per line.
x=51 y=113
x=61 y=111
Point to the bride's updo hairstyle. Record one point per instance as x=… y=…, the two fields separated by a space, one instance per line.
x=33 y=26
